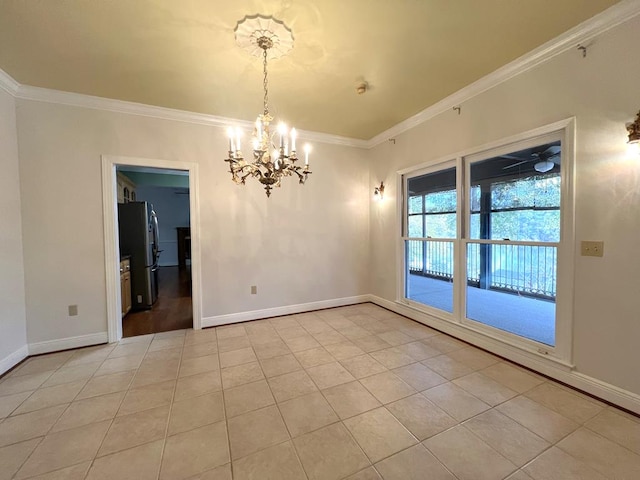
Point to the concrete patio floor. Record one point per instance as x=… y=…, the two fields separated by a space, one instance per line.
x=527 y=317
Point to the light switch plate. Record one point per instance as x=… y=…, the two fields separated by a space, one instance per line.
x=591 y=249
x=254 y=289
x=73 y=310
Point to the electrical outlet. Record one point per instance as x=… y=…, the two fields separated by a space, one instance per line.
x=254 y=289
x=139 y=298
x=73 y=310
x=591 y=249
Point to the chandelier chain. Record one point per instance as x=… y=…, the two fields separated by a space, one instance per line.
x=273 y=157
x=264 y=81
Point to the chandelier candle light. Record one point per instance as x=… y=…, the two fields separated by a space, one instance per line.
x=272 y=160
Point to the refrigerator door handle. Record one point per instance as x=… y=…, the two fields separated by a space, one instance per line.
x=156 y=234
x=155 y=226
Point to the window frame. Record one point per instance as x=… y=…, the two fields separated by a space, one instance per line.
x=564 y=131
x=402 y=284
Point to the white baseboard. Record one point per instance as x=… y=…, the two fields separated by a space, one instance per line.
x=13 y=359
x=67 y=343
x=538 y=363
x=277 y=311
x=545 y=365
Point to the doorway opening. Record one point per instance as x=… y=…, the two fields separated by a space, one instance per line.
x=155 y=244
x=151 y=246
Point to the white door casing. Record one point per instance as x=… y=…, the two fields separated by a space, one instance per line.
x=112 y=249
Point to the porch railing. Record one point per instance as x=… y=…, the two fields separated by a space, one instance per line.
x=521 y=269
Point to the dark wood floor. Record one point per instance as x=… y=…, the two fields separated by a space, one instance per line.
x=172 y=310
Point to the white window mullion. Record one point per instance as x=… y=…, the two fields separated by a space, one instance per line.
x=532 y=254
x=460 y=273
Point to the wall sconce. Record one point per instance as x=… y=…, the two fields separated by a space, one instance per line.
x=634 y=130
x=378 y=192
x=634 y=135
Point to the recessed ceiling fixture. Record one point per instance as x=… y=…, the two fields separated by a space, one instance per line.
x=273 y=158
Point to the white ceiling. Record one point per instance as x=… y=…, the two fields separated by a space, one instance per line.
x=182 y=54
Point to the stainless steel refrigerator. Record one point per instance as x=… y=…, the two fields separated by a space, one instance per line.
x=138 y=229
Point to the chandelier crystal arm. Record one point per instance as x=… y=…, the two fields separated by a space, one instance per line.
x=302 y=174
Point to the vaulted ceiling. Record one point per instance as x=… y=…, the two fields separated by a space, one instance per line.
x=183 y=55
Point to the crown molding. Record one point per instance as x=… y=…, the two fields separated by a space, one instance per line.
x=58 y=97
x=8 y=84
x=613 y=16
x=332 y=139
x=610 y=18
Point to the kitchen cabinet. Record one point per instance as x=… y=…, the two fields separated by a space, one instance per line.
x=125 y=285
x=126 y=189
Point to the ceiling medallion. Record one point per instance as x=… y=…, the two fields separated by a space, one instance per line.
x=273 y=158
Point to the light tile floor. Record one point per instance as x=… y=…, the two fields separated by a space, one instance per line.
x=354 y=393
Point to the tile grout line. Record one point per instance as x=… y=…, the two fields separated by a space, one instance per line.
x=275 y=400
x=57 y=419
x=166 y=427
x=119 y=406
x=527 y=428
x=382 y=405
x=519 y=394
x=12 y=375
x=224 y=406
x=599 y=435
x=339 y=421
x=583 y=425
x=551 y=444
x=28 y=456
x=30 y=394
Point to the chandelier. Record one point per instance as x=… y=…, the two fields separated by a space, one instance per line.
x=274 y=155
